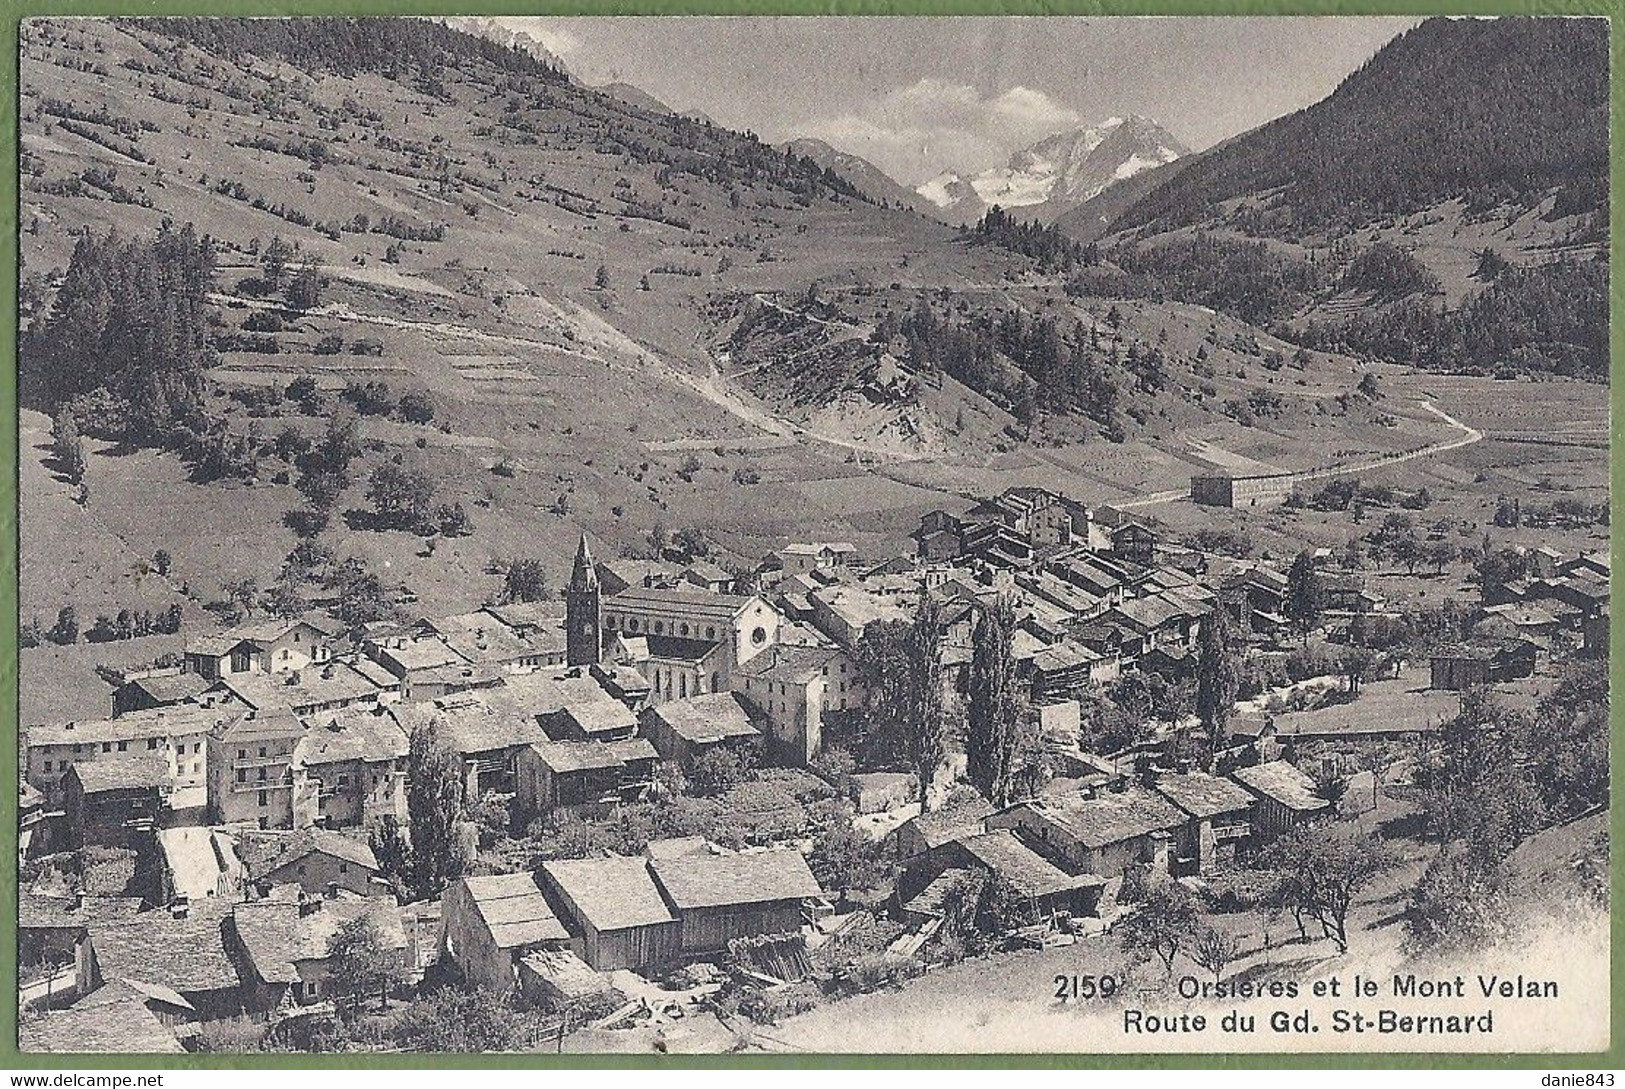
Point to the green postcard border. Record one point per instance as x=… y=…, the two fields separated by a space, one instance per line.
x=11 y=1058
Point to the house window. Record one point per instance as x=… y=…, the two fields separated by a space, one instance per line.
x=344 y=780
x=47 y=765
x=242 y=775
x=242 y=754
x=152 y=743
x=123 y=746
x=262 y=799
x=344 y=867
x=684 y=628
x=758 y=636
x=710 y=632
x=660 y=626
x=107 y=746
x=262 y=752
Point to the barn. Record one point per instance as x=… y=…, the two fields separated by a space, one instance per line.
x=615 y=911
x=717 y=898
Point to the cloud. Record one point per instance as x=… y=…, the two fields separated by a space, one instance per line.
x=917 y=131
x=556 y=40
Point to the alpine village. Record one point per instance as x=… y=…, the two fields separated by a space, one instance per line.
x=509 y=566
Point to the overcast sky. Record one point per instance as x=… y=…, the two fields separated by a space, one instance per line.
x=916 y=96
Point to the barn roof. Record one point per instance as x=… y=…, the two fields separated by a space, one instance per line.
x=1281 y=782
x=186 y=954
x=514 y=910
x=112 y=1019
x=610 y=893
x=1109 y=818
x=715 y=716
x=1031 y=874
x=134 y=772
x=707 y=881
x=1202 y=795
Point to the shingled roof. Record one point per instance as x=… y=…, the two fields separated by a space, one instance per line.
x=1281 y=782
x=185 y=954
x=278 y=934
x=309 y=841
x=1110 y=818
x=132 y=772
x=729 y=880
x=609 y=893
x=1031 y=874
x=514 y=910
x=113 y=1019
x=1202 y=795
x=716 y=716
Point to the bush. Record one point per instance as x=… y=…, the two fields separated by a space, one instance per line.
x=770 y=1007
x=331 y=344
x=719 y=769
x=263 y=321
x=416 y=407
x=874 y=971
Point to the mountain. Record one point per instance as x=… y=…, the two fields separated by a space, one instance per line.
x=865 y=176
x=1093 y=219
x=1058 y=173
x=1398 y=136
x=481 y=27
x=634 y=96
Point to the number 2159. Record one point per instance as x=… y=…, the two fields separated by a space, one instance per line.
x=1070 y=986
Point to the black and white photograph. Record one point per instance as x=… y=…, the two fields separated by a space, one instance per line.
x=789 y=535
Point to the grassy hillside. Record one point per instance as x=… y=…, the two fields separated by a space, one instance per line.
x=563 y=277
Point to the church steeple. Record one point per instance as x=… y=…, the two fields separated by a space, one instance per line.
x=583 y=612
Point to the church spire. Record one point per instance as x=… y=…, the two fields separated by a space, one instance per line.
x=584 y=614
x=584 y=577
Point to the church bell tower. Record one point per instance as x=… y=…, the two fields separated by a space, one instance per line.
x=583 y=612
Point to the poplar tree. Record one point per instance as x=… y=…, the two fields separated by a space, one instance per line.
x=436 y=806
x=1218 y=672
x=994 y=708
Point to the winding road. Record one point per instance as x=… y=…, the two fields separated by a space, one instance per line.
x=1467 y=436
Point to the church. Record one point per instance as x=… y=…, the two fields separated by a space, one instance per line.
x=685 y=641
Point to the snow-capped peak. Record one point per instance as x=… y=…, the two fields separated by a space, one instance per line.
x=1060 y=171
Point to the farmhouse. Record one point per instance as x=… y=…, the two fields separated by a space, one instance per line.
x=683 y=729
x=284 y=945
x=113 y=1019
x=1460 y=667
x=1218 y=815
x=1096 y=835
x=319 y=862
x=349 y=770
x=586 y=777
x=158 y=688
x=999 y=853
x=184 y=950
x=488 y=738
x=275 y=646
x=118 y=802
x=1286 y=797
x=492 y=922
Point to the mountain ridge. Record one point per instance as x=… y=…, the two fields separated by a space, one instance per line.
x=1058 y=173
